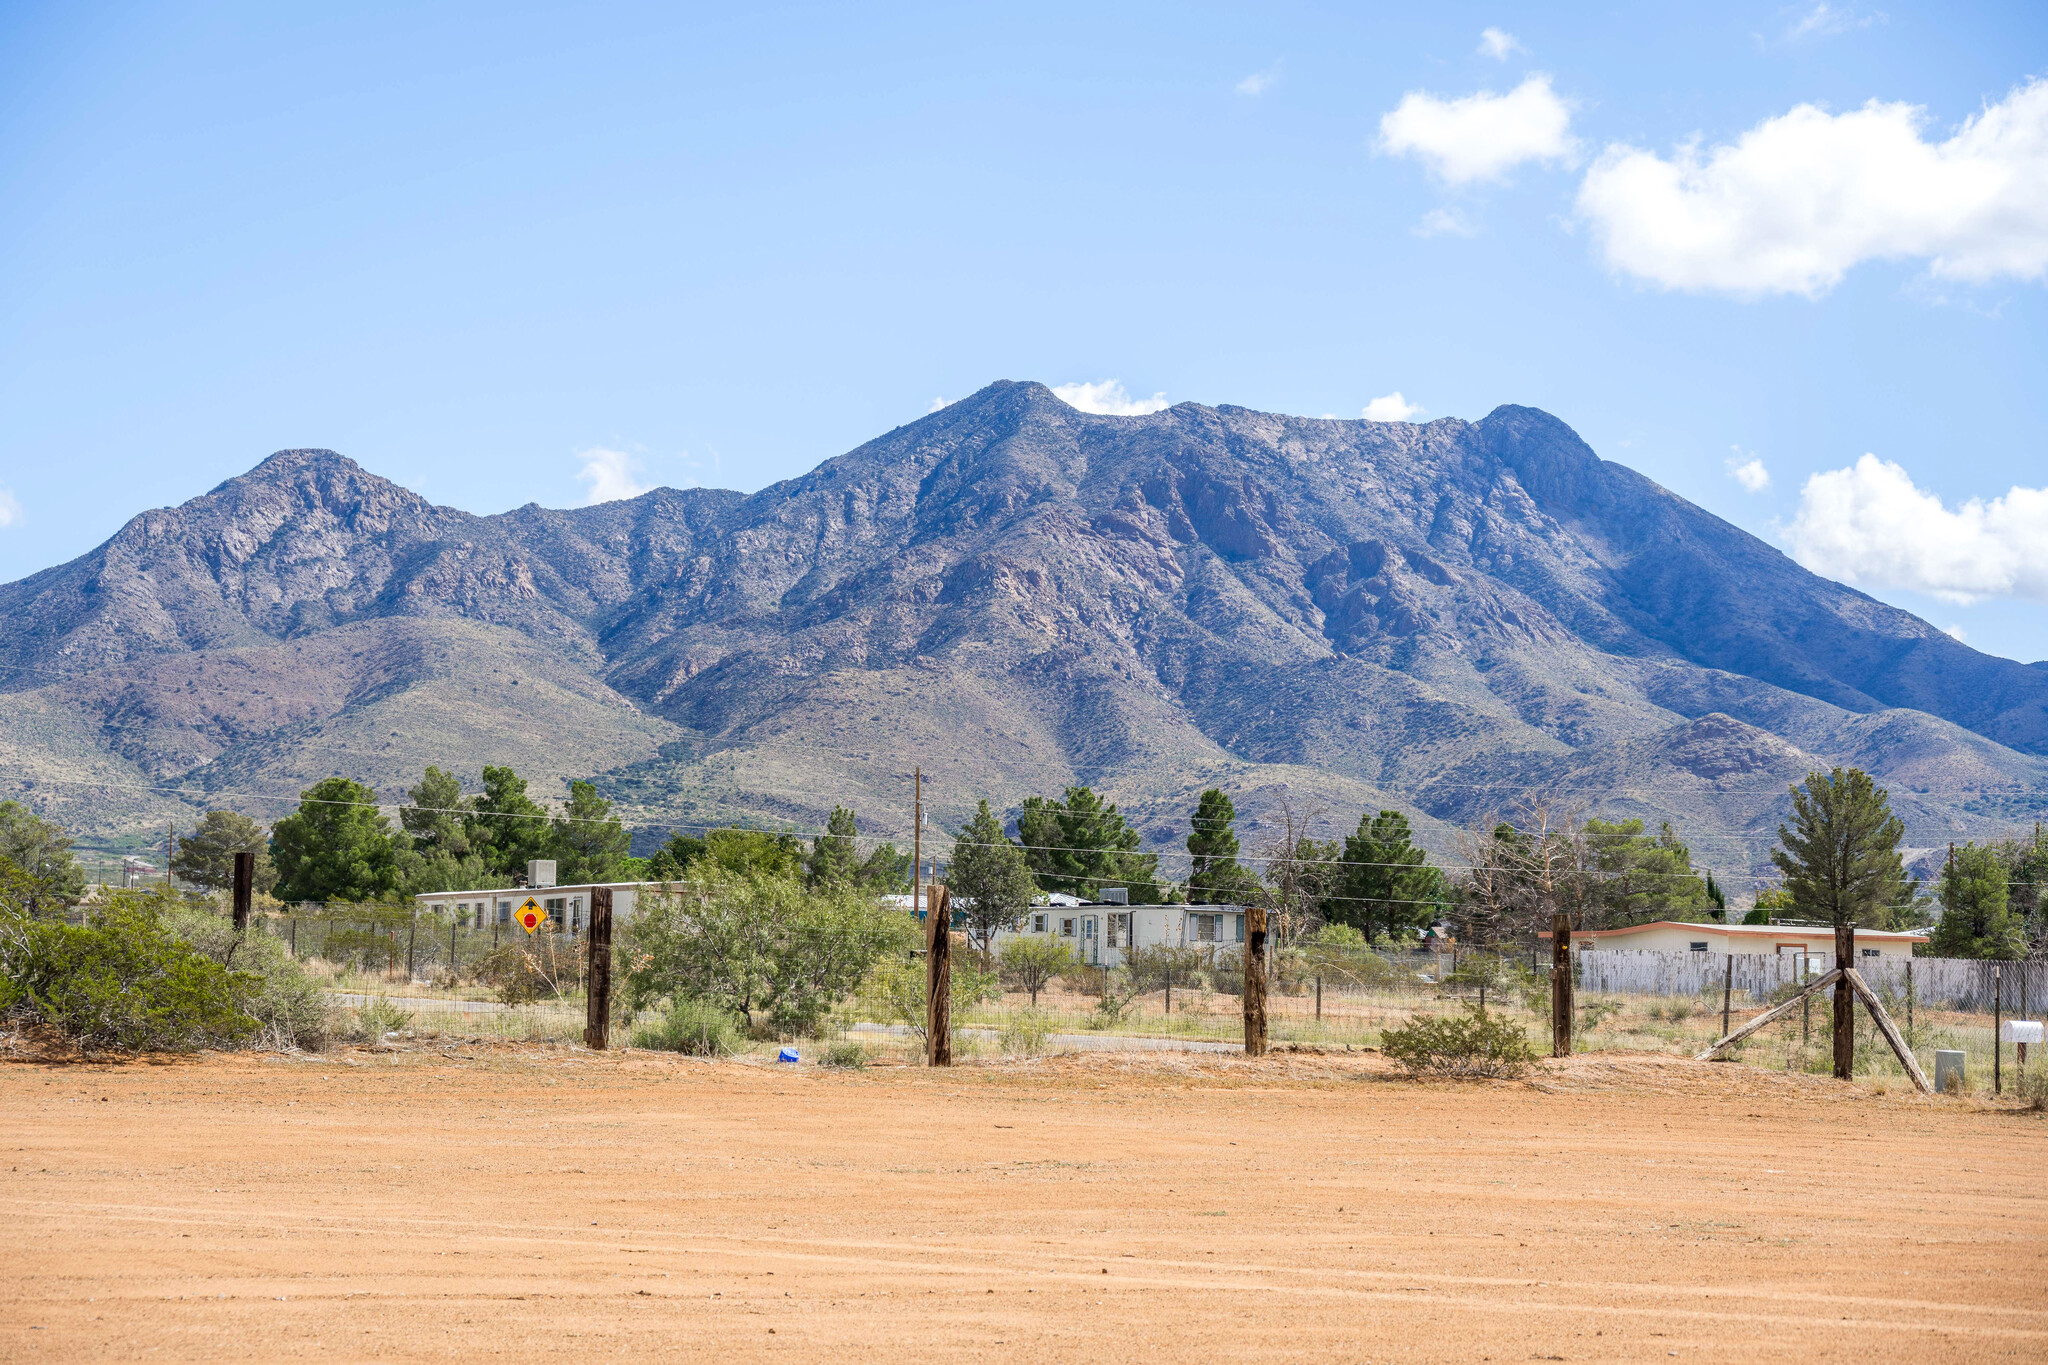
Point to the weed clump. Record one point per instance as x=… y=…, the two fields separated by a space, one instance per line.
x=1474 y=1044
x=846 y=1056
x=694 y=1028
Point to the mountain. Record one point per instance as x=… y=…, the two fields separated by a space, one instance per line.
x=1013 y=595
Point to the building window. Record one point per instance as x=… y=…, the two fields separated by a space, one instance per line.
x=1699 y=947
x=575 y=911
x=558 y=909
x=1205 y=928
x=1240 y=928
x=1870 y=952
x=1038 y=924
x=1066 y=928
x=504 y=912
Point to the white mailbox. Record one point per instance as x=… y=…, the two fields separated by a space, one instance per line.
x=2020 y=1031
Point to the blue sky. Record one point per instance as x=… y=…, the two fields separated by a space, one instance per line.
x=512 y=253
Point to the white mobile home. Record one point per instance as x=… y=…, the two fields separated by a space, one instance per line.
x=567 y=907
x=1816 y=942
x=1101 y=932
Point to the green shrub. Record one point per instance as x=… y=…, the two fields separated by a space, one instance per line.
x=288 y=1005
x=847 y=1056
x=895 y=988
x=380 y=1017
x=1474 y=1044
x=695 y=1028
x=122 y=981
x=765 y=948
x=1024 y=1033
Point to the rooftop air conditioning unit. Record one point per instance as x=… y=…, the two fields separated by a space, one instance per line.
x=1113 y=895
x=540 y=872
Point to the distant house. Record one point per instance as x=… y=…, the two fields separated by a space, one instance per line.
x=1816 y=941
x=566 y=907
x=1102 y=932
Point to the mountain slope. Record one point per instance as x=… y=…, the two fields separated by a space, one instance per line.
x=1014 y=595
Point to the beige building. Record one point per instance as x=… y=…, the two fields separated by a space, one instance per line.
x=1815 y=941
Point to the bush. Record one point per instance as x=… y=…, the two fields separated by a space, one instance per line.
x=122 y=981
x=846 y=1056
x=544 y=967
x=1476 y=1044
x=1158 y=965
x=1025 y=1032
x=288 y=1005
x=1227 y=972
x=378 y=1018
x=694 y=1028
x=895 y=987
x=763 y=948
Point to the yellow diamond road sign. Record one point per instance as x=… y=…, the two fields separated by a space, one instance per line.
x=531 y=915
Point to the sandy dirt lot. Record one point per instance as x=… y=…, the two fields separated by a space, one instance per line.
x=529 y=1202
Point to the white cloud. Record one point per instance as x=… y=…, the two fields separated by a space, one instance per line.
x=1957 y=633
x=1482 y=136
x=1869 y=524
x=1824 y=20
x=937 y=403
x=1259 y=82
x=609 y=475
x=1439 y=222
x=1798 y=200
x=10 y=509
x=1750 y=473
x=1107 y=398
x=1391 y=407
x=1497 y=44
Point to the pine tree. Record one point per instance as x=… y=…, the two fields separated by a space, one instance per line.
x=1385 y=887
x=506 y=825
x=1081 y=843
x=991 y=886
x=337 y=846
x=588 y=844
x=1976 y=909
x=206 y=856
x=1216 y=877
x=442 y=855
x=41 y=851
x=833 y=859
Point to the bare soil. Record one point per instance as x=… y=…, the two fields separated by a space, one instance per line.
x=522 y=1202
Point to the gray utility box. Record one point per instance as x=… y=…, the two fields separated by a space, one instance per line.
x=1948 y=1072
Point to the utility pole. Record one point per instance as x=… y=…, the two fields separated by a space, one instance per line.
x=1997 y=1019
x=917 y=847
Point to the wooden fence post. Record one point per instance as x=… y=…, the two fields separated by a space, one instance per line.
x=1254 y=981
x=597 y=1019
x=412 y=937
x=245 y=887
x=1561 y=994
x=1845 y=1004
x=1727 y=993
x=938 y=975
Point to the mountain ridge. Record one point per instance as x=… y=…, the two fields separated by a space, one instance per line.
x=1443 y=616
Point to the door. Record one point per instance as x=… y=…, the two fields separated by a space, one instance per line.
x=1091 y=946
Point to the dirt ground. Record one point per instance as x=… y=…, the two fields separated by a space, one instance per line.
x=464 y=1202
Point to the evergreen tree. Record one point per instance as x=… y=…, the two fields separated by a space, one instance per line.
x=1216 y=877
x=206 y=856
x=41 y=851
x=507 y=826
x=1840 y=855
x=442 y=854
x=1976 y=909
x=672 y=860
x=754 y=852
x=588 y=842
x=991 y=886
x=1080 y=843
x=337 y=846
x=834 y=859
x=1385 y=883
x=886 y=872
x=1643 y=878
